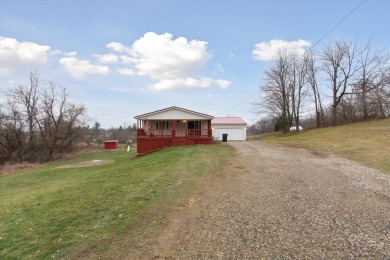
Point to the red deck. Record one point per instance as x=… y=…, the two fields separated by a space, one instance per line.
x=172 y=126
x=157 y=139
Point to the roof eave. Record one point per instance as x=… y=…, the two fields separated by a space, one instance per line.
x=144 y=116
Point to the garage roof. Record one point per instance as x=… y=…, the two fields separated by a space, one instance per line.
x=228 y=121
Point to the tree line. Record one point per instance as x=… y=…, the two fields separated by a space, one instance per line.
x=39 y=123
x=342 y=83
x=124 y=134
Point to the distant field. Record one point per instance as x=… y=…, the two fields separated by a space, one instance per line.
x=101 y=205
x=365 y=142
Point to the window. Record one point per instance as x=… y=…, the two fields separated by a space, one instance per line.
x=162 y=125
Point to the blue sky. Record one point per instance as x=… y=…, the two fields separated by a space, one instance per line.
x=125 y=58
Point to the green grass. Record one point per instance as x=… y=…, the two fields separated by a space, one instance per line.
x=100 y=211
x=365 y=142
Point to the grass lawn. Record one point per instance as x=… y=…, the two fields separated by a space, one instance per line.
x=102 y=211
x=365 y=142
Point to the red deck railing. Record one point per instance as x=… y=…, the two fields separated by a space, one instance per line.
x=156 y=139
x=174 y=133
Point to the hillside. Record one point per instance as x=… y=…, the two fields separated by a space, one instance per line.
x=364 y=142
x=99 y=205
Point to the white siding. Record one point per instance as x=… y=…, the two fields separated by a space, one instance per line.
x=235 y=132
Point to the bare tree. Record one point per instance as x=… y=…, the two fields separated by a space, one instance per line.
x=339 y=63
x=58 y=121
x=35 y=123
x=12 y=135
x=372 y=76
x=312 y=74
x=298 y=85
x=285 y=88
x=381 y=95
x=265 y=125
x=22 y=103
x=275 y=91
x=359 y=79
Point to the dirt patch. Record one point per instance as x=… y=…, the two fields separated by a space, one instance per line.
x=319 y=153
x=85 y=164
x=314 y=151
x=10 y=168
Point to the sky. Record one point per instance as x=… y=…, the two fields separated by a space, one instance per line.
x=125 y=58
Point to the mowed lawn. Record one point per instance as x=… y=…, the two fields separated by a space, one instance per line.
x=365 y=142
x=103 y=211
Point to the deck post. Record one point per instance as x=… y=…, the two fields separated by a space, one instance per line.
x=209 y=127
x=174 y=129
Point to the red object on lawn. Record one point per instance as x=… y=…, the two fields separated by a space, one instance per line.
x=111 y=145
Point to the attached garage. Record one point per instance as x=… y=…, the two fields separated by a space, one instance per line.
x=234 y=127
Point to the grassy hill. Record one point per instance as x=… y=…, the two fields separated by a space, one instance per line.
x=65 y=209
x=365 y=142
x=104 y=204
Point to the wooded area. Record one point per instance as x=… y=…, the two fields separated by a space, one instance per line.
x=37 y=123
x=358 y=80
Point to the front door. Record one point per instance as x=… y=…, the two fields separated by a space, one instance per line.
x=194 y=127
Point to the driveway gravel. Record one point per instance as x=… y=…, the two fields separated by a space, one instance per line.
x=276 y=202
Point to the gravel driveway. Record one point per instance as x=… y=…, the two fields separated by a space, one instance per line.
x=278 y=202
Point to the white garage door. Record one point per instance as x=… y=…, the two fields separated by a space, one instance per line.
x=236 y=134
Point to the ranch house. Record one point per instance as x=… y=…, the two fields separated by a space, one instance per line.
x=172 y=126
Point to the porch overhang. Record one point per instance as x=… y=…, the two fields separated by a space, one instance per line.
x=174 y=113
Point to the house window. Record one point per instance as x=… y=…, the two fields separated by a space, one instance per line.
x=162 y=125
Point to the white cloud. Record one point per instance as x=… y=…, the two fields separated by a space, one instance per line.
x=161 y=57
x=118 y=47
x=127 y=59
x=72 y=53
x=127 y=72
x=224 y=84
x=266 y=51
x=79 y=68
x=188 y=83
x=56 y=52
x=14 y=54
x=107 y=58
x=59 y=52
x=171 y=63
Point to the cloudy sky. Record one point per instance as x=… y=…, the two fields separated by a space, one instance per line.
x=124 y=58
